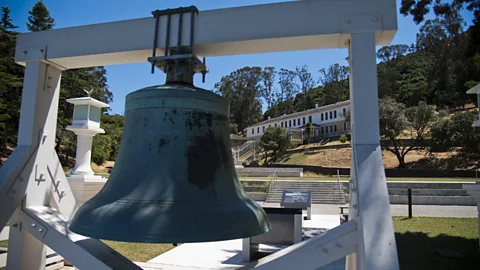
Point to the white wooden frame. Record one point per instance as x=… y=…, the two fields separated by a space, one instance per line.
x=33 y=170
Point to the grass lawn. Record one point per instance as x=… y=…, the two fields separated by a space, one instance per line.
x=139 y=252
x=4 y=243
x=419 y=240
x=326 y=178
x=295 y=158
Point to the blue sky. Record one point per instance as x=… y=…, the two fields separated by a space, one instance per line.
x=123 y=79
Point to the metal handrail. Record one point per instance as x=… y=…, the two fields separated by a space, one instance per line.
x=244 y=149
x=339 y=185
x=241 y=147
x=273 y=181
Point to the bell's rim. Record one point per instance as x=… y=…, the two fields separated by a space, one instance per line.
x=250 y=217
x=167 y=239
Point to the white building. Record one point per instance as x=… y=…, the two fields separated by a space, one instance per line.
x=327 y=121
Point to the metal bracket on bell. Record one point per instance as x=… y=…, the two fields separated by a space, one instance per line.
x=180 y=63
x=161 y=62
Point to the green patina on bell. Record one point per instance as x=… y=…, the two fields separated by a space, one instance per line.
x=174 y=179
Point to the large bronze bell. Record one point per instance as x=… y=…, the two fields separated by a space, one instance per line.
x=174 y=179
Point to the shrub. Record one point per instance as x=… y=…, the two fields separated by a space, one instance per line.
x=343 y=138
x=276 y=140
x=101 y=149
x=457 y=131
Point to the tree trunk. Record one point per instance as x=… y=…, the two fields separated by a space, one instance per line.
x=401 y=161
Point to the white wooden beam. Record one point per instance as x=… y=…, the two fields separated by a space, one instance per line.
x=288 y=26
x=85 y=253
x=314 y=252
x=370 y=206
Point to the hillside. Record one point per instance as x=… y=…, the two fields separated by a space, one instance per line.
x=340 y=158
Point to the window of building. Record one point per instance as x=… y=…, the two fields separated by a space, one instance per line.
x=281 y=124
x=253 y=131
x=298 y=122
x=335 y=127
x=331 y=115
x=258 y=129
x=335 y=114
x=289 y=123
x=344 y=112
x=310 y=119
x=276 y=125
x=268 y=125
x=321 y=130
x=294 y=122
x=326 y=129
x=286 y=124
x=263 y=128
x=304 y=121
x=345 y=126
x=321 y=116
x=331 y=128
x=326 y=116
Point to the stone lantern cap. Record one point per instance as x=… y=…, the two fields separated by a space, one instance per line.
x=86 y=115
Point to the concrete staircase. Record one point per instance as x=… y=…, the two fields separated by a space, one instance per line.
x=323 y=192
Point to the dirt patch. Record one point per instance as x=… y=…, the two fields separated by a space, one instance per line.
x=340 y=158
x=102 y=168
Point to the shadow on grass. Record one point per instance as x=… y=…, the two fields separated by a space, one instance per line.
x=459 y=161
x=283 y=158
x=419 y=251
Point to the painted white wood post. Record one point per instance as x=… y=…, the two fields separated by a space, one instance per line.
x=370 y=205
x=38 y=123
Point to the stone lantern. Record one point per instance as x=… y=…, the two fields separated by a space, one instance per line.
x=86 y=124
x=474 y=189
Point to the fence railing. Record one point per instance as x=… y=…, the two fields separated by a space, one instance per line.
x=243 y=150
x=273 y=180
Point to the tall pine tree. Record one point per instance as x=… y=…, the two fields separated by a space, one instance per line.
x=11 y=82
x=6 y=22
x=39 y=19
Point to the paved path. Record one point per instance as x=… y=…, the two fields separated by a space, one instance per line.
x=435 y=210
x=402 y=210
x=227 y=255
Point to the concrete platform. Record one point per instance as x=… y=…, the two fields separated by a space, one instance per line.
x=228 y=254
